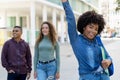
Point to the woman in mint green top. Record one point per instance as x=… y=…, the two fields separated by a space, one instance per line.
x=47 y=58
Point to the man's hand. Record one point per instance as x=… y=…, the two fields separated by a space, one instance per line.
x=11 y=71
x=35 y=75
x=28 y=76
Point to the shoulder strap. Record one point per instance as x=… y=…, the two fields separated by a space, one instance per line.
x=99 y=40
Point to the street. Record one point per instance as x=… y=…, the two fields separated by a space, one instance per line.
x=69 y=65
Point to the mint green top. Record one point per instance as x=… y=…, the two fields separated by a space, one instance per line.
x=46 y=52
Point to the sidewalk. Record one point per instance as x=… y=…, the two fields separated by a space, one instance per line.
x=114 y=51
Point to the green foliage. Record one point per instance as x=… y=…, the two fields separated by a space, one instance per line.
x=118 y=5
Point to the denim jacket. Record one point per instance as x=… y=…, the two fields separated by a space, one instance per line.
x=87 y=52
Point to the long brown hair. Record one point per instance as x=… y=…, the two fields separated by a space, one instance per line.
x=52 y=34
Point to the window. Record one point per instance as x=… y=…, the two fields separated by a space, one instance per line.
x=23 y=21
x=11 y=21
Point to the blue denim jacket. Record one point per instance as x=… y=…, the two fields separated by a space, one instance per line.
x=87 y=52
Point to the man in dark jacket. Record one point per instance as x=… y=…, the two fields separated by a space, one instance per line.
x=16 y=56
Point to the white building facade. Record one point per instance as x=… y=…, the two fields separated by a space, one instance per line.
x=31 y=13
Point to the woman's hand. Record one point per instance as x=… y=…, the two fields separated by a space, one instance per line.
x=106 y=63
x=57 y=75
x=35 y=75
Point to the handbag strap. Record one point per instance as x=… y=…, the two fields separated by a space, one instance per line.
x=104 y=57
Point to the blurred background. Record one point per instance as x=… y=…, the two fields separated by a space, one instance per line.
x=31 y=13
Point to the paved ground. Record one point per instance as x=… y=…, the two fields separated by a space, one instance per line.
x=69 y=64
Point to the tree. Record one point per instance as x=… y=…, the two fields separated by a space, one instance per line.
x=118 y=5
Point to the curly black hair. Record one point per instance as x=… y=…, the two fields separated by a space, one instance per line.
x=88 y=18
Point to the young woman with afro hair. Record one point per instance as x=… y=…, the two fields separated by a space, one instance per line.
x=87 y=44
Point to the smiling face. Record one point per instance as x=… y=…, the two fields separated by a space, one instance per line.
x=90 y=31
x=17 y=33
x=45 y=29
